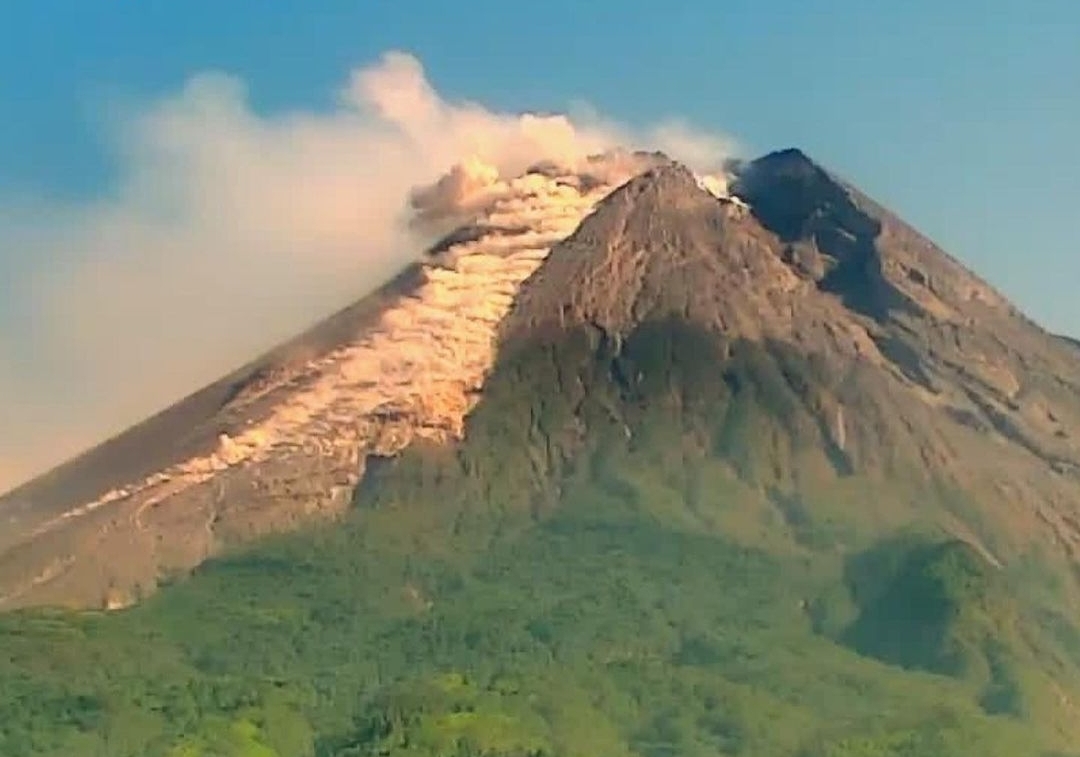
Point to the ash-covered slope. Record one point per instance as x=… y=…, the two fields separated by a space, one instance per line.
x=284 y=438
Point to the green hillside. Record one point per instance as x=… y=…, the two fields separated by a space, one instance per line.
x=647 y=548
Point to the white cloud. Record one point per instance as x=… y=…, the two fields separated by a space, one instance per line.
x=229 y=230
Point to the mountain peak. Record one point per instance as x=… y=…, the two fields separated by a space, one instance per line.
x=662 y=183
x=668 y=174
x=814 y=264
x=788 y=192
x=791 y=159
x=662 y=245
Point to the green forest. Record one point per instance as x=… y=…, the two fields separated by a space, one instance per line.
x=615 y=563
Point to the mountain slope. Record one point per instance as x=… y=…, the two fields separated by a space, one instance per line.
x=139 y=500
x=282 y=439
x=918 y=367
x=761 y=477
x=668 y=356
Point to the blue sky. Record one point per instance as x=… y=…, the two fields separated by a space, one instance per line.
x=964 y=122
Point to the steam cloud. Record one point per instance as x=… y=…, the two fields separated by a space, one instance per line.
x=228 y=231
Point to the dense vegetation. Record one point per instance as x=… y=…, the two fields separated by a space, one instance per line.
x=615 y=563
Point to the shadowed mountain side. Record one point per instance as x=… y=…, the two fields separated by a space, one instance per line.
x=676 y=425
x=967 y=389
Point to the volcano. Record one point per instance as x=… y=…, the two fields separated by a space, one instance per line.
x=749 y=470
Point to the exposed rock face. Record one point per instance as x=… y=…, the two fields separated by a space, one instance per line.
x=921 y=366
x=660 y=247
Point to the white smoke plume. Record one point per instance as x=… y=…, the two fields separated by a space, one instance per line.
x=228 y=230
